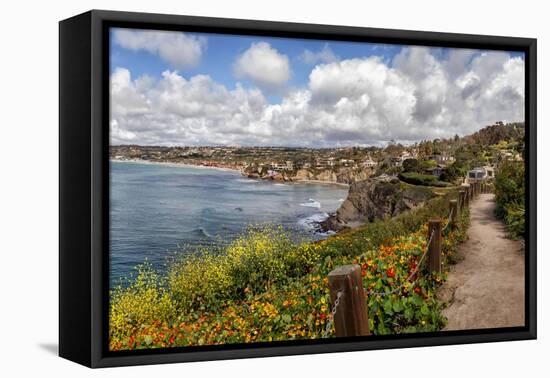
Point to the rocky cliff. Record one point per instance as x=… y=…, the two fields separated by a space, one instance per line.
x=374 y=199
x=341 y=176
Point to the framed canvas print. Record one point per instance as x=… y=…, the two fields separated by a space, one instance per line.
x=234 y=188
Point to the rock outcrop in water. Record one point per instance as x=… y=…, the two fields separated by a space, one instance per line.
x=374 y=199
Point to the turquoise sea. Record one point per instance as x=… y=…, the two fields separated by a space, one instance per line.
x=156 y=209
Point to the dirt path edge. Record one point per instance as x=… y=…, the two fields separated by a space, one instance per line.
x=486 y=289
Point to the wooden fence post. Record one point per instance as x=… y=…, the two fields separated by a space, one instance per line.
x=351 y=318
x=453 y=207
x=462 y=197
x=434 y=249
x=468 y=198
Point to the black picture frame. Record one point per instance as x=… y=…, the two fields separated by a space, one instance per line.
x=84 y=186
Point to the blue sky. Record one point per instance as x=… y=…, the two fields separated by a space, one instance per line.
x=222 y=50
x=249 y=90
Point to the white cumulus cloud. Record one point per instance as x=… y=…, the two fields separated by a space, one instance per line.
x=325 y=55
x=421 y=94
x=180 y=50
x=264 y=66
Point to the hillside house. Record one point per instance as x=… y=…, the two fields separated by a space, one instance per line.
x=489 y=171
x=369 y=163
x=442 y=158
x=289 y=166
x=396 y=161
x=276 y=166
x=325 y=163
x=407 y=155
x=509 y=155
x=477 y=174
x=347 y=162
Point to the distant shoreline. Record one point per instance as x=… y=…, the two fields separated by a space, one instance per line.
x=176 y=165
x=306 y=181
x=225 y=169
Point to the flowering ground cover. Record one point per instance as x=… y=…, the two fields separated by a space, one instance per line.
x=267 y=287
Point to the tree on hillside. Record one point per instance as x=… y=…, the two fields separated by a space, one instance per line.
x=425 y=164
x=411 y=165
x=425 y=148
x=453 y=172
x=499 y=132
x=394 y=148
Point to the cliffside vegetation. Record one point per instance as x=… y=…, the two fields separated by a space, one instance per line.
x=510 y=196
x=376 y=199
x=267 y=287
x=421 y=179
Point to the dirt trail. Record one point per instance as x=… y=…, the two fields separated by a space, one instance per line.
x=486 y=288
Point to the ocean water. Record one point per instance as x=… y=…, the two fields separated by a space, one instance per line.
x=155 y=210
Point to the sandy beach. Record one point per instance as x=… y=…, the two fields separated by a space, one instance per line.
x=322 y=182
x=186 y=165
x=177 y=165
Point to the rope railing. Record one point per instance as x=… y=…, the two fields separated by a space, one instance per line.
x=448 y=221
x=339 y=294
x=333 y=313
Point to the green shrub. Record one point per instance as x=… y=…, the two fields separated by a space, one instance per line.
x=411 y=165
x=199 y=280
x=453 y=173
x=510 y=196
x=257 y=260
x=250 y=264
x=515 y=219
x=414 y=178
x=140 y=304
x=425 y=164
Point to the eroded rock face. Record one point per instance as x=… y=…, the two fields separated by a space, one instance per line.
x=328 y=176
x=303 y=174
x=342 y=175
x=374 y=199
x=348 y=176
